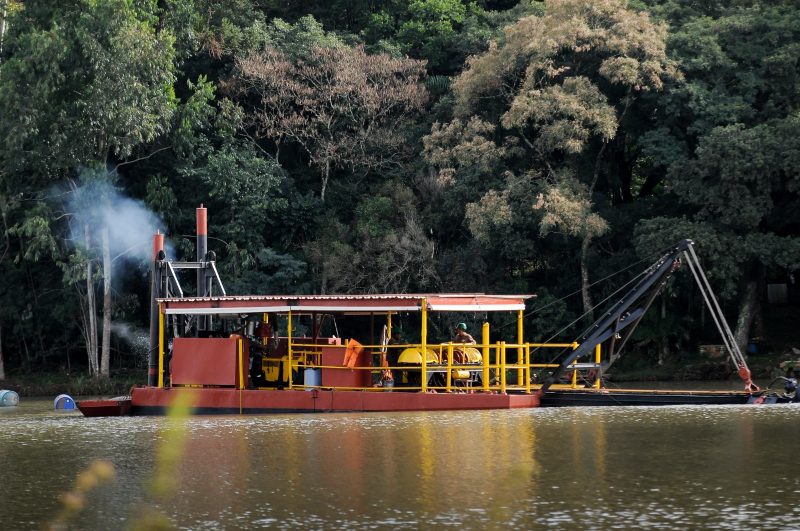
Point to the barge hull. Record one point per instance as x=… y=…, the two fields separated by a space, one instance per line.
x=156 y=401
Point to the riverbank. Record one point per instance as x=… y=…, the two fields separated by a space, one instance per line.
x=55 y=383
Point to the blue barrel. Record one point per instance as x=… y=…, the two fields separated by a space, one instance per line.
x=63 y=402
x=8 y=398
x=312 y=377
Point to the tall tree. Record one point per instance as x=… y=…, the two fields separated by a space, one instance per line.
x=545 y=102
x=105 y=353
x=726 y=149
x=343 y=107
x=82 y=84
x=86 y=83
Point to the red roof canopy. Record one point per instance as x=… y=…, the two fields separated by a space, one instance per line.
x=440 y=302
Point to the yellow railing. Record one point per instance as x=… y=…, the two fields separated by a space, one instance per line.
x=446 y=375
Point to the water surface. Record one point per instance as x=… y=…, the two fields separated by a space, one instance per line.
x=730 y=467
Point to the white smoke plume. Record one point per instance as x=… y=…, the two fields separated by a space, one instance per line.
x=138 y=339
x=130 y=223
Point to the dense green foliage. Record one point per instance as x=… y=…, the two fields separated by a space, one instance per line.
x=398 y=146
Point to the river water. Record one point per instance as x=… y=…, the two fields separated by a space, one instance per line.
x=729 y=467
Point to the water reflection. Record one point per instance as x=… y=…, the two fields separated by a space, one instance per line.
x=723 y=466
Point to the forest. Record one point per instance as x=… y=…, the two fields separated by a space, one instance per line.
x=400 y=146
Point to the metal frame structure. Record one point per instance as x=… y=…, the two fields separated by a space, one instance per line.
x=294 y=305
x=492 y=375
x=618 y=324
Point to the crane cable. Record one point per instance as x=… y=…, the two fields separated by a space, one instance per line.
x=587 y=312
x=719 y=319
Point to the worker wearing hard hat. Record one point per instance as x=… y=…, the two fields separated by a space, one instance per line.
x=462 y=336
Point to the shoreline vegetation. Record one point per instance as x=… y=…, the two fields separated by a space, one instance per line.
x=548 y=147
x=74 y=384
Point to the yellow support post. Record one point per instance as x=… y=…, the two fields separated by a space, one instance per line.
x=265 y=321
x=574 y=371
x=597 y=359
x=385 y=355
x=241 y=367
x=503 y=367
x=485 y=342
x=241 y=375
x=449 y=365
x=160 y=347
x=520 y=349
x=424 y=341
x=528 y=369
x=574 y=376
x=289 y=346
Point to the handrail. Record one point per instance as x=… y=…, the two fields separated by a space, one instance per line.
x=503 y=382
x=309 y=356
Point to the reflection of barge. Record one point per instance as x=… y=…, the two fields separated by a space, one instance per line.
x=285 y=353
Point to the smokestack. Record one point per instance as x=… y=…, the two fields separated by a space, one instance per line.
x=155 y=292
x=202 y=250
x=158 y=244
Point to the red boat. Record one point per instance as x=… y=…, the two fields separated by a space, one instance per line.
x=246 y=363
x=286 y=353
x=108 y=407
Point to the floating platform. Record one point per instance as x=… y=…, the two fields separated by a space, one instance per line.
x=641 y=397
x=224 y=401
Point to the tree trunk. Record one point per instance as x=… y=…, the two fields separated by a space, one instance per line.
x=758 y=318
x=2 y=364
x=585 y=294
x=3 y=16
x=747 y=313
x=663 y=352
x=105 y=357
x=27 y=351
x=653 y=179
x=325 y=175
x=323 y=285
x=91 y=335
x=624 y=170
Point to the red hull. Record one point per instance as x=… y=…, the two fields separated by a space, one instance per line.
x=112 y=407
x=154 y=401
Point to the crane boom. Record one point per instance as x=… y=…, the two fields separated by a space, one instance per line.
x=619 y=323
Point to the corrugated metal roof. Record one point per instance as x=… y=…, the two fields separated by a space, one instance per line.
x=454 y=302
x=382 y=296
x=291 y=297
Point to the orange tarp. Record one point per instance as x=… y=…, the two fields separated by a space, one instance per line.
x=354 y=350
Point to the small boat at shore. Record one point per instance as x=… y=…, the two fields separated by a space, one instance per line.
x=105 y=407
x=236 y=354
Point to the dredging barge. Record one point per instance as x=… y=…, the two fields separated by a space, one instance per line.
x=254 y=354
